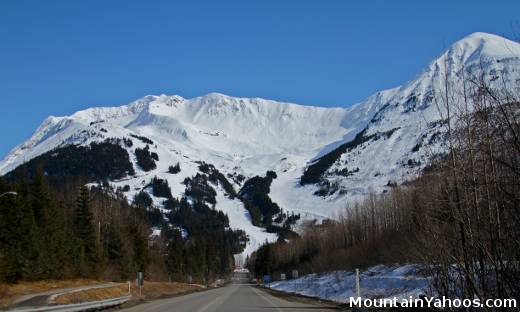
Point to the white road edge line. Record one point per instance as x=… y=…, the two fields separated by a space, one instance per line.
x=260 y=293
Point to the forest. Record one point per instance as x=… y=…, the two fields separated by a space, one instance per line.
x=99 y=161
x=74 y=227
x=70 y=231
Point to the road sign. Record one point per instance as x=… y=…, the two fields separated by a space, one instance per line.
x=267 y=279
x=140 y=280
x=282 y=276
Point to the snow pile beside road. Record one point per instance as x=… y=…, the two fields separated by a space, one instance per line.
x=377 y=282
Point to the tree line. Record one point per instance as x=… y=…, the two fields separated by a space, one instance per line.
x=73 y=231
x=68 y=228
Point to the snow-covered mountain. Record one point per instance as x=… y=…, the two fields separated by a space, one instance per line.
x=385 y=138
x=407 y=128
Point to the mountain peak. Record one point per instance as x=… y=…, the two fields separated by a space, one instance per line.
x=479 y=35
x=476 y=52
x=213 y=97
x=216 y=95
x=480 y=45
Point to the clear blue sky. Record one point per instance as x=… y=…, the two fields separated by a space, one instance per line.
x=57 y=57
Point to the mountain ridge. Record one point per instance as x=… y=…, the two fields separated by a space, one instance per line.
x=386 y=138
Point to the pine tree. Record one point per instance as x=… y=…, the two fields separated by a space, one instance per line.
x=11 y=247
x=140 y=250
x=85 y=234
x=50 y=221
x=114 y=245
x=174 y=261
x=29 y=237
x=264 y=260
x=40 y=198
x=174 y=169
x=43 y=264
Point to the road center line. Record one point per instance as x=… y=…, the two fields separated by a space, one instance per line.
x=217 y=302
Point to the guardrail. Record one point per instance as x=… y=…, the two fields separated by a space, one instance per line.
x=85 y=306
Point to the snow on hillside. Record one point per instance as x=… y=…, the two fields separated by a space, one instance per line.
x=239 y=218
x=249 y=136
x=376 y=282
x=237 y=135
x=407 y=128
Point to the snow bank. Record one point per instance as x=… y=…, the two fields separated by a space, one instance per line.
x=377 y=282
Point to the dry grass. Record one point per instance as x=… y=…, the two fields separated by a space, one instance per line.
x=93 y=294
x=154 y=290
x=4 y=293
x=151 y=290
x=10 y=292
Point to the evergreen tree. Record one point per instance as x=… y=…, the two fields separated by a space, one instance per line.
x=29 y=237
x=140 y=249
x=85 y=234
x=264 y=260
x=43 y=263
x=40 y=197
x=113 y=245
x=145 y=159
x=50 y=221
x=174 y=261
x=11 y=247
x=174 y=169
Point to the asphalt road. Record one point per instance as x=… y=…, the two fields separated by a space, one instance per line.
x=229 y=299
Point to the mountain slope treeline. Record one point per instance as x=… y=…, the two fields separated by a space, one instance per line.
x=99 y=161
x=67 y=230
x=73 y=231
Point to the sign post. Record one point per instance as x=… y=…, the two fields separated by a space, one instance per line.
x=140 y=282
x=358 y=291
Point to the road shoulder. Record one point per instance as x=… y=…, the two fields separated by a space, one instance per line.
x=301 y=298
